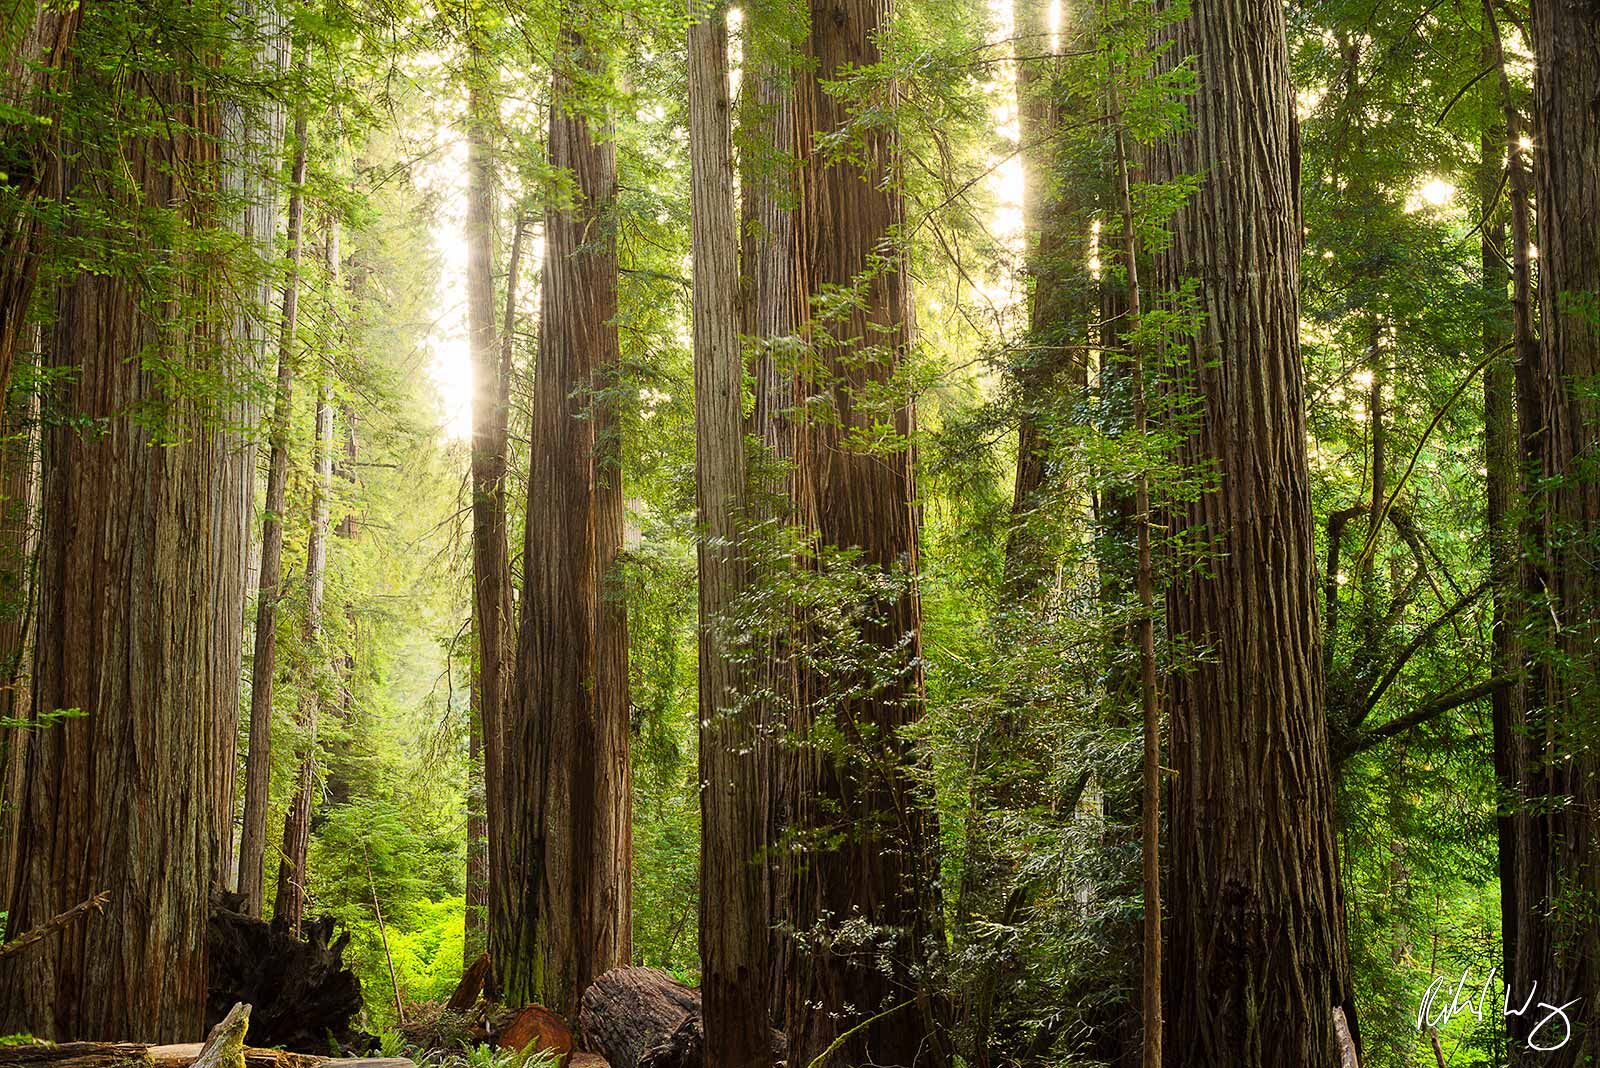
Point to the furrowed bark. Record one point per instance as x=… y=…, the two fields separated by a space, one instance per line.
x=561 y=913
x=734 y=921
x=866 y=835
x=122 y=798
x=1558 y=878
x=1256 y=956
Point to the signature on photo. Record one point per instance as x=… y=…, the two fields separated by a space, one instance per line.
x=1436 y=1013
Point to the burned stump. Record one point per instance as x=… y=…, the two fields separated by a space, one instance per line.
x=303 y=997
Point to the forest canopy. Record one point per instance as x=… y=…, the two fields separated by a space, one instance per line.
x=868 y=532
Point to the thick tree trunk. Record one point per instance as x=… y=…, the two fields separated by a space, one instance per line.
x=734 y=921
x=560 y=910
x=1558 y=877
x=867 y=835
x=290 y=902
x=130 y=626
x=1257 y=958
x=630 y=1010
x=772 y=315
x=263 y=670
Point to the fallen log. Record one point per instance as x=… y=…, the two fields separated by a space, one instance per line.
x=628 y=1011
x=304 y=998
x=184 y=1054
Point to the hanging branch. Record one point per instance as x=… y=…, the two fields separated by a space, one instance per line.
x=97 y=903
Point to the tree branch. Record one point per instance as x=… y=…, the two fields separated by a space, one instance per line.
x=55 y=923
x=1421 y=714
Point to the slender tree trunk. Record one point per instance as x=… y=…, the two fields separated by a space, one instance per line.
x=491 y=559
x=474 y=928
x=1558 y=883
x=734 y=922
x=263 y=671
x=561 y=908
x=1502 y=488
x=1257 y=958
x=19 y=506
x=868 y=834
x=1145 y=628
x=290 y=902
x=1052 y=371
x=252 y=139
x=121 y=799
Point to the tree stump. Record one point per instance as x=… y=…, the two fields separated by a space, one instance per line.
x=537 y=1028
x=303 y=997
x=627 y=1011
x=684 y=1048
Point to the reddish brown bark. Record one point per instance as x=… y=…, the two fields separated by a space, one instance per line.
x=131 y=611
x=1558 y=866
x=733 y=915
x=561 y=903
x=867 y=836
x=1256 y=955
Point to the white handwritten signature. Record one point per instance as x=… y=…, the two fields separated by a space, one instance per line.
x=1436 y=1013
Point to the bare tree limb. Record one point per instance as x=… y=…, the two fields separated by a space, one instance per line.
x=55 y=923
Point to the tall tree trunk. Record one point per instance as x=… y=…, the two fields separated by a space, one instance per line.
x=491 y=560
x=734 y=921
x=263 y=670
x=251 y=139
x=1502 y=489
x=867 y=832
x=290 y=902
x=772 y=315
x=1053 y=368
x=19 y=506
x=560 y=912
x=1145 y=629
x=1257 y=958
x=120 y=800
x=1558 y=884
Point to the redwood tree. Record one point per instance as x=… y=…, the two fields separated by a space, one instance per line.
x=561 y=901
x=1558 y=866
x=138 y=490
x=734 y=920
x=1256 y=959
x=865 y=834
x=264 y=665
